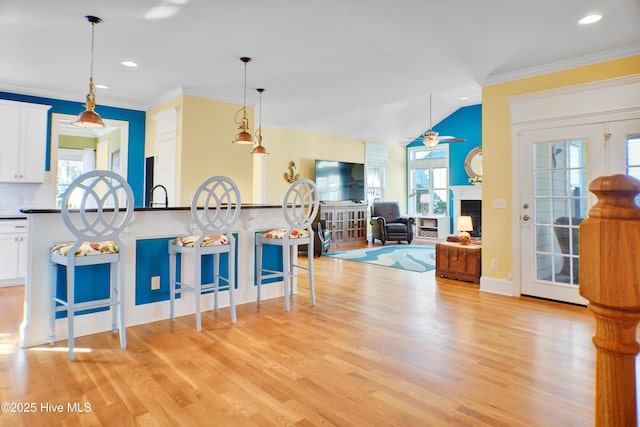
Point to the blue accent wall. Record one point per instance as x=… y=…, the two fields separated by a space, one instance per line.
x=91 y=283
x=152 y=259
x=465 y=122
x=136 y=119
x=272 y=259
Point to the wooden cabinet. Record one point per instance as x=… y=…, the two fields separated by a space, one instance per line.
x=23 y=141
x=432 y=227
x=459 y=262
x=13 y=252
x=347 y=222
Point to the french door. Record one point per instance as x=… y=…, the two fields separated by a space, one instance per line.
x=556 y=166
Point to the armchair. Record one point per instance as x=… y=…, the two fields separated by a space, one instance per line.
x=388 y=224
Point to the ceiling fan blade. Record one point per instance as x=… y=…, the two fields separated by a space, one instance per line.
x=451 y=139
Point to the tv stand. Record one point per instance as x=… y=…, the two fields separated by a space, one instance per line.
x=347 y=222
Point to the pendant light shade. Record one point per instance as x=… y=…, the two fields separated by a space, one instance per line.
x=259 y=149
x=89 y=118
x=243 y=137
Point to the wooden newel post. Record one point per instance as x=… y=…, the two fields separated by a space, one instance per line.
x=610 y=280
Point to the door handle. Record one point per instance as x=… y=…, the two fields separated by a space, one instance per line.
x=525 y=217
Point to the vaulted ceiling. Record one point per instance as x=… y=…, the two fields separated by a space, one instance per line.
x=356 y=68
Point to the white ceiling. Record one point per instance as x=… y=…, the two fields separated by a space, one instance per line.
x=354 y=68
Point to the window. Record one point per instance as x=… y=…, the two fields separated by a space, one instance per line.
x=375 y=181
x=633 y=156
x=71 y=164
x=633 y=159
x=428 y=180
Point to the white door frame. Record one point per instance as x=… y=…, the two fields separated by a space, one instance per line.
x=598 y=102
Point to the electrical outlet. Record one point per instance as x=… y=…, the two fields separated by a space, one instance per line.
x=155 y=283
x=494 y=264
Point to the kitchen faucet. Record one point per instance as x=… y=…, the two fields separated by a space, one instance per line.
x=166 y=196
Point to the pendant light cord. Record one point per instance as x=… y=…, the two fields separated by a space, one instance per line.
x=93 y=32
x=244 y=102
x=260 y=117
x=93 y=20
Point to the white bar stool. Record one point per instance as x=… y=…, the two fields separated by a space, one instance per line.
x=299 y=208
x=96 y=208
x=220 y=200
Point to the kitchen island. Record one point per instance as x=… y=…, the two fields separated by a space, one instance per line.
x=146 y=239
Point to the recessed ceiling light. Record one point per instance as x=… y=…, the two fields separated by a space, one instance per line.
x=102 y=87
x=590 y=19
x=161 y=12
x=129 y=64
x=463 y=98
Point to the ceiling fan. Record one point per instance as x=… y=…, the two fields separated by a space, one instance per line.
x=431 y=138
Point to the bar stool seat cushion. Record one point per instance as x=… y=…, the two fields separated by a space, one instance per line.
x=87 y=248
x=209 y=240
x=278 y=233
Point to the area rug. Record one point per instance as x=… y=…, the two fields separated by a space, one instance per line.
x=418 y=258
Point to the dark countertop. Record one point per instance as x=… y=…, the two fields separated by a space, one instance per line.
x=140 y=209
x=12 y=216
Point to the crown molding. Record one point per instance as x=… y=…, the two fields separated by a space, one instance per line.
x=566 y=64
x=41 y=93
x=230 y=100
x=166 y=97
x=579 y=88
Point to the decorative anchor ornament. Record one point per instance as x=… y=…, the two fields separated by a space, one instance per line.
x=291 y=176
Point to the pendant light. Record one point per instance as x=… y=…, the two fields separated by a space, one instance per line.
x=89 y=118
x=243 y=137
x=259 y=149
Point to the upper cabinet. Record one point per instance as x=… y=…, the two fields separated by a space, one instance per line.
x=23 y=141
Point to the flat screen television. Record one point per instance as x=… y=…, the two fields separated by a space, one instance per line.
x=340 y=181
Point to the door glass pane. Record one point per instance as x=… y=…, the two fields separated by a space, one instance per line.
x=544 y=239
x=541 y=157
x=560 y=205
x=560 y=183
x=544 y=267
x=560 y=209
x=558 y=151
x=542 y=183
x=543 y=211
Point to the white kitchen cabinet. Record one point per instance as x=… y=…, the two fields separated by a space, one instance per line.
x=23 y=141
x=13 y=252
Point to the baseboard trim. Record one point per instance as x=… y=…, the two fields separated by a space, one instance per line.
x=497 y=286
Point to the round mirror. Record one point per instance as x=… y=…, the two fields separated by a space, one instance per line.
x=473 y=163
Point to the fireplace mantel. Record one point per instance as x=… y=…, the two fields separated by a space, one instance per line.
x=464 y=192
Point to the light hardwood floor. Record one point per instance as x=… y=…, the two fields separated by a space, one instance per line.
x=382 y=347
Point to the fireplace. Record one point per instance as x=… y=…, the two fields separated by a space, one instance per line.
x=467 y=200
x=473 y=208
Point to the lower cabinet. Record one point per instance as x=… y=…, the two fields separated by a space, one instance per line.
x=13 y=252
x=347 y=222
